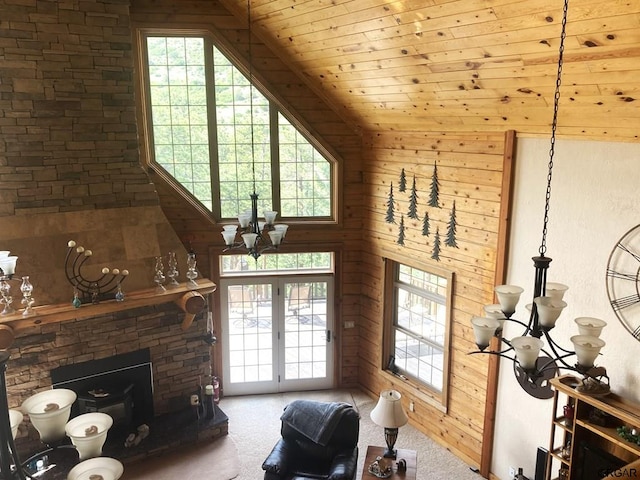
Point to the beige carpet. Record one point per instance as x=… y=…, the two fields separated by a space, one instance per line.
x=216 y=460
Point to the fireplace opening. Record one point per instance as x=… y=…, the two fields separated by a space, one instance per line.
x=121 y=386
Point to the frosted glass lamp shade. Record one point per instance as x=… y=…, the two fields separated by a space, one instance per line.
x=229 y=237
x=555 y=290
x=495 y=311
x=102 y=468
x=590 y=326
x=270 y=217
x=587 y=349
x=549 y=309
x=4 y=254
x=508 y=297
x=249 y=239
x=8 y=264
x=15 y=419
x=88 y=432
x=49 y=412
x=527 y=351
x=283 y=228
x=484 y=328
x=276 y=237
x=244 y=220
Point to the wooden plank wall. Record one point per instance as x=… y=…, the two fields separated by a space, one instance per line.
x=469 y=171
x=202 y=233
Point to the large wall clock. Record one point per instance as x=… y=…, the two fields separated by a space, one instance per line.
x=623 y=280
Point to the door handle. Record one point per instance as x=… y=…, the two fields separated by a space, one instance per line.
x=328 y=336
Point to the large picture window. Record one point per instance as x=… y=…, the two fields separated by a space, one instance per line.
x=419 y=319
x=218 y=137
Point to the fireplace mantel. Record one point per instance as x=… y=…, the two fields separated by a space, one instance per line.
x=47 y=314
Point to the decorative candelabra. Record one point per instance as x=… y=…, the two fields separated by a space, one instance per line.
x=158 y=277
x=192 y=273
x=172 y=269
x=7 y=270
x=104 y=287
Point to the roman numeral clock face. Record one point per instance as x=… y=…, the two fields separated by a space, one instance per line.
x=623 y=280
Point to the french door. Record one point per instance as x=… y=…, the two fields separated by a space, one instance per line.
x=277 y=333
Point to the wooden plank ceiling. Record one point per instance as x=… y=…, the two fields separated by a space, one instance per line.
x=463 y=65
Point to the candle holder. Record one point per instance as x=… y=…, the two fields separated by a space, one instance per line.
x=7 y=299
x=192 y=273
x=172 y=269
x=27 y=300
x=159 y=277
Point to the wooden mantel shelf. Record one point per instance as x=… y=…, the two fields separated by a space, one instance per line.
x=140 y=298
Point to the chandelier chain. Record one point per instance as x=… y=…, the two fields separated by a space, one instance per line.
x=253 y=155
x=556 y=101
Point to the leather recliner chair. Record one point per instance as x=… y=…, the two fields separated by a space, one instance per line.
x=319 y=441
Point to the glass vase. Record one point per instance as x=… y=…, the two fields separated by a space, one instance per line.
x=27 y=300
x=159 y=277
x=172 y=269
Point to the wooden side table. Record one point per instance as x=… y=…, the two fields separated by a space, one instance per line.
x=409 y=456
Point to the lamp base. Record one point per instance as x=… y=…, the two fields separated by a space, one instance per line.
x=390 y=436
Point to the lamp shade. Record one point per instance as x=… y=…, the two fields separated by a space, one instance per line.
x=549 y=309
x=508 y=297
x=555 y=290
x=388 y=412
x=484 y=328
x=527 y=350
x=590 y=326
x=587 y=349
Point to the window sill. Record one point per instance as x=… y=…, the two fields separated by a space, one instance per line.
x=414 y=390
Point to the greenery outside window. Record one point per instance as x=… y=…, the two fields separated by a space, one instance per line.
x=419 y=321
x=200 y=109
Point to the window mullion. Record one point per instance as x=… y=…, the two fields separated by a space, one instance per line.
x=212 y=127
x=275 y=157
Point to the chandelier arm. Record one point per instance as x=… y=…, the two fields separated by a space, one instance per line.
x=557 y=358
x=554 y=346
x=499 y=354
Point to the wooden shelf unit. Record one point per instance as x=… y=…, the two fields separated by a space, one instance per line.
x=569 y=434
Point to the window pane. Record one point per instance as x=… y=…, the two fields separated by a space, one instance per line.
x=305 y=175
x=307 y=262
x=178 y=111
x=182 y=135
x=420 y=325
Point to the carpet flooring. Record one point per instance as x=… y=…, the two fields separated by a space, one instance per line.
x=254 y=425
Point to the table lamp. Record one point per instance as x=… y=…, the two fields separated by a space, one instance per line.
x=388 y=413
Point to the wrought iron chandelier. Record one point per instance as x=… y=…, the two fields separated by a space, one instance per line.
x=533 y=369
x=256 y=235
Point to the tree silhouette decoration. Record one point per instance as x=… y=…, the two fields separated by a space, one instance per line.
x=450 y=241
x=401 y=232
x=390 y=218
x=403 y=182
x=435 y=188
x=425 y=224
x=413 y=202
x=435 y=254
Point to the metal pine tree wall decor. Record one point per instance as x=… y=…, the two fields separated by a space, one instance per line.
x=401 y=232
x=435 y=254
x=413 y=201
x=450 y=240
x=390 y=218
x=425 y=224
x=435 y=188
x=403 y=182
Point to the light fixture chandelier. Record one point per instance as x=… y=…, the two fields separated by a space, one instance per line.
x=256 y=236
x=532 y=369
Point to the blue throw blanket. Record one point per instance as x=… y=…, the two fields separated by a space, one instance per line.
x=315 y=420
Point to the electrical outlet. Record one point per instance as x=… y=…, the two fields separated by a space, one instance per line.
x=412 y=406
x=513 y=471
x=349 y=324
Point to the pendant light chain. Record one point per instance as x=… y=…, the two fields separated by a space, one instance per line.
x=253 y=155
x=556 y=101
